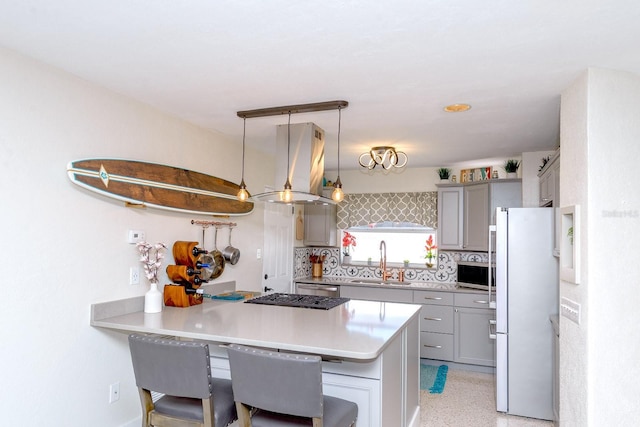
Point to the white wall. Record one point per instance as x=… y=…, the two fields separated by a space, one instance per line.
x=405 y=179
x=599 y=151
x=64 y=248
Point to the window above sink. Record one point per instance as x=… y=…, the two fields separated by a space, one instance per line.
x=404 y=242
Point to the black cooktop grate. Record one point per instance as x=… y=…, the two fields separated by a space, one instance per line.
x=297 y=300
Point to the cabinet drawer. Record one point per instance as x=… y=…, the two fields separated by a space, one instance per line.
x=433 y=297
x=376 y=294
x=436 y=318
x=471 y=300
x=436 y=346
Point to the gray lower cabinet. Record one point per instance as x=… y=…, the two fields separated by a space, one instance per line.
x=471 y=330
x=376 y=294
x=436 y=324
x=454 y=326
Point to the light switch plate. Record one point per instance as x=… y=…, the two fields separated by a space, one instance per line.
x=135 y=236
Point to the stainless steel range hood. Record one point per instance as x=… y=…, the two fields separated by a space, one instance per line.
x=306 y=168
x=306 y=155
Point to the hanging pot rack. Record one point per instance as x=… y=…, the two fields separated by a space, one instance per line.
x=207 y=224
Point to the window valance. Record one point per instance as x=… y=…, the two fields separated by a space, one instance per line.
x=368 y=208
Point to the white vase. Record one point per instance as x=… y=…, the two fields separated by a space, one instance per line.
x=153 y=299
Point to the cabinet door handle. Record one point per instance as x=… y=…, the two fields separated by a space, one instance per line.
x=431 y=346
x=434 y=298
x=437 y=319
x=481 y=302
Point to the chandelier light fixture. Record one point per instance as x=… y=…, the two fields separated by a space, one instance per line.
x=385 y=156
x=338 y=195
x=243 y=194
x=288 y=195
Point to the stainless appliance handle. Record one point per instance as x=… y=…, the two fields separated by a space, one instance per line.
x=317 y=287
x=492 y=329
x=492 y=231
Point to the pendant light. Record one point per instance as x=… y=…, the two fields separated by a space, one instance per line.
x=243 y=194
x=338 y=194
x=286 y=195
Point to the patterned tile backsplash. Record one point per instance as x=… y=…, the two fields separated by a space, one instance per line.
x=444 y=272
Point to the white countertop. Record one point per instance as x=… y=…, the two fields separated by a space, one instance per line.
x=355 y=330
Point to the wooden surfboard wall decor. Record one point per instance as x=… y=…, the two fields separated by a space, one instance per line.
x=158 y=186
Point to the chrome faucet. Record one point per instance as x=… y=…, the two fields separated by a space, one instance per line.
x=383 y=261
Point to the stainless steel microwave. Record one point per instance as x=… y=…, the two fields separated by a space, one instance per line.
x=475 y=275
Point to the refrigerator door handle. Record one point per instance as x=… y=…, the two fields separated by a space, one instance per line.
x=492 y=231
x=492 y=329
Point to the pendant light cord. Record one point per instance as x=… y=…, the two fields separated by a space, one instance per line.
x=288 y=146
x=244 y=133
x=339 y=122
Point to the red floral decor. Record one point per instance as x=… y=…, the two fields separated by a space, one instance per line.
x=348 y=240
x=430 y=247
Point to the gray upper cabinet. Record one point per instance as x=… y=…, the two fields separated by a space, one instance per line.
x=450 y=217
x=465 y=211
x=476 y=217
x=549 y=179
x=320 y=225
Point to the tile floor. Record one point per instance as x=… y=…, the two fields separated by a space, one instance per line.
x=468 y=401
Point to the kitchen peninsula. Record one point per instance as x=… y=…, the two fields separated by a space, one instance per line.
x=370 y=349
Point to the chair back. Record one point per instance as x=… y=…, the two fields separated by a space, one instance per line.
x=176 y=368
x=277 y=382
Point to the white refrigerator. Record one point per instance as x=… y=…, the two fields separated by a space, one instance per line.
x=526 y=294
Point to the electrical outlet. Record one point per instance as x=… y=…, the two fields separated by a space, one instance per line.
x=134 y=275
x=259 y=254
x=114 y=392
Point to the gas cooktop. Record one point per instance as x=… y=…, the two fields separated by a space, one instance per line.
x=297 y=300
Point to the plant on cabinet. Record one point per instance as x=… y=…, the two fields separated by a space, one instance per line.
x=511 y=168
x=444 y=174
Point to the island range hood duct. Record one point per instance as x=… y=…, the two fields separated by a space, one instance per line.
x=306 y=153
x=306 y=168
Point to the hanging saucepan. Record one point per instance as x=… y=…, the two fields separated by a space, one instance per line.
x=230 y=253
x=218 y=258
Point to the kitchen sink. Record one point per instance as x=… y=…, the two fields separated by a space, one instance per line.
x=379 y=282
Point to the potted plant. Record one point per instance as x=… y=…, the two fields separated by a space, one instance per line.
x=444 y=174
x=511 y=168
x=348 y=241
x=369 y=261
x=406 y=263
x=430 y=247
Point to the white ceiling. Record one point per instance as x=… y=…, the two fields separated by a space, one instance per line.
x=398 y=63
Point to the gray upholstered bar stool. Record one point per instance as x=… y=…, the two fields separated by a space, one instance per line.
x=181 y=370
x=282 y=389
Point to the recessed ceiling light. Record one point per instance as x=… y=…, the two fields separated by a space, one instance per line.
x=457 y=108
